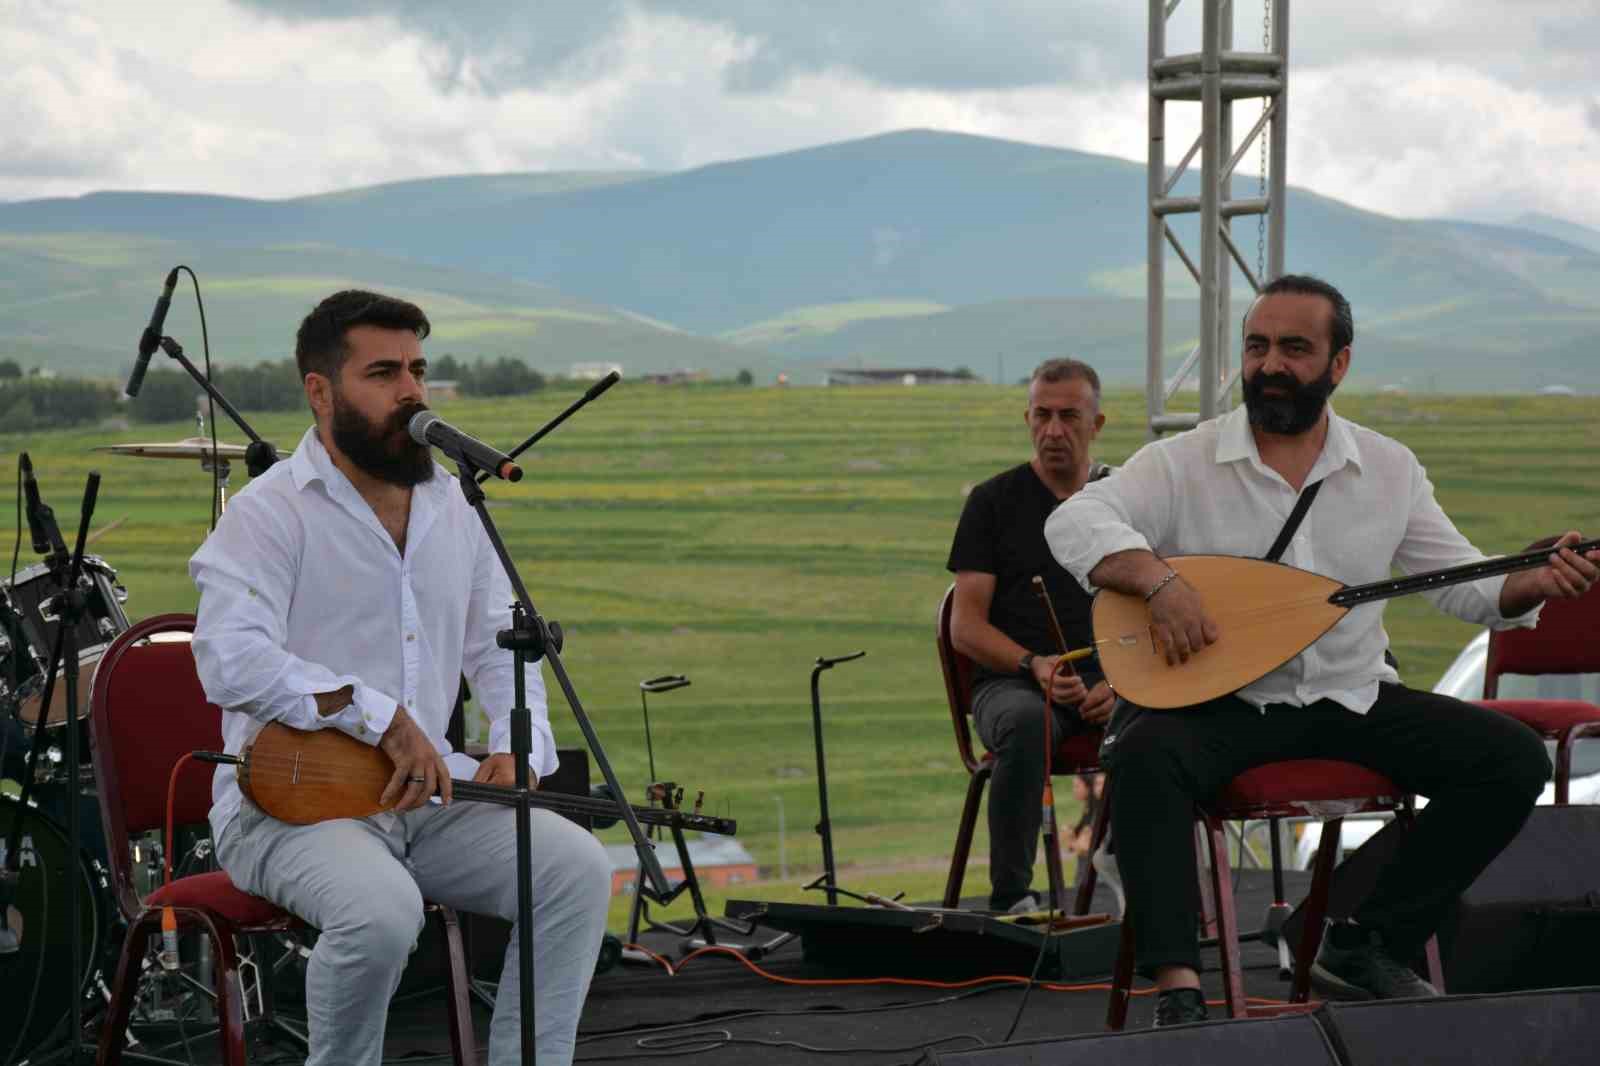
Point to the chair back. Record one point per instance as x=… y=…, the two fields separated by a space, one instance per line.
x=147 y=710
x=957 y=671
x=1564 y=642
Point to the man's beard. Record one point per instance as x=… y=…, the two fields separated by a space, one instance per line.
x=1290 y=414
x=385 y=451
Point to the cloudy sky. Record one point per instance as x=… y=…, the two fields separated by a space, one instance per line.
x=1482 y=109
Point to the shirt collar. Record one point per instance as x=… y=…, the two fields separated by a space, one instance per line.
x=1236 y=442
x=311 y=462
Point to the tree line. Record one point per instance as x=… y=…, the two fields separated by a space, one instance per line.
x=33 y=401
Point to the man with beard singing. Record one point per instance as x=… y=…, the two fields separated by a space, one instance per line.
x=1227 y=487
x=348 y=588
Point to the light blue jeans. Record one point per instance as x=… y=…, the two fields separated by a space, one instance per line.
x=362 y=883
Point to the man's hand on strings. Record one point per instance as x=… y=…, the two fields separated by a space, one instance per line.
x=1568 y=576
x=419 y=769
x=501 y=769
x=1181 y=622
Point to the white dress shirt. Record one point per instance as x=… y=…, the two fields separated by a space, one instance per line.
x=302 y=591
x=1207 y=492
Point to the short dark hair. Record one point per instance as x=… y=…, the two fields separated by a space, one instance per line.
x=1343 y=330
x=319 y=346
x=1053 y=370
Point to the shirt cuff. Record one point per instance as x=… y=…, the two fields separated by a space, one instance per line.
x=366 y=717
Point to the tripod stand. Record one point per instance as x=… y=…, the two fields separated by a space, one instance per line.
x=66 y=569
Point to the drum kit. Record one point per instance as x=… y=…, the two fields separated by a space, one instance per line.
x=34 y=922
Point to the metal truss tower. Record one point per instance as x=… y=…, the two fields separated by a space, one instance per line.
x=1216 y=78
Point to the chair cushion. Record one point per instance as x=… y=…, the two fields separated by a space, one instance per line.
x=1549 y=718
x=1304 y=781
x=1078 y=752
x=215 y=892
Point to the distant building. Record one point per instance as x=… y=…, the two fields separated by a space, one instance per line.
x=593 y=371
x=443 y=389
x=1558 y=390
x=678 y=377
x=897 y=376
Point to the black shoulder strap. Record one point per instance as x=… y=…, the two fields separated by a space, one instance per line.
x=1286 y=534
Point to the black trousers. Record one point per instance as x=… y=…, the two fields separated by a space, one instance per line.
x=1009 y=716
x=1480 y=770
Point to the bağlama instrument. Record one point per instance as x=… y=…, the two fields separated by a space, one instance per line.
x=301 y=777
x=1267 y=614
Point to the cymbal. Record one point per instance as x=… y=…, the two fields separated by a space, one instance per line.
x=188 y=448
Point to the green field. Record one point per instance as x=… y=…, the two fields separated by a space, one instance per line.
x=735 y=535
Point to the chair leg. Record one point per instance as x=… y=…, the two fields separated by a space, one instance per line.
x=1208 y=906
x=226 y=982
x=1316 y=909
x=462 y=1044
x=1121 y=979
x=963 y=847
x=114 y=1026
x=1227 y=920
x=1406 y=815
x=1097 y=836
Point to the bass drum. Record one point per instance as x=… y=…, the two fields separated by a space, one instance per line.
x=38 y=973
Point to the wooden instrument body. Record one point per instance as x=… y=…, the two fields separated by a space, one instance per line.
x=1267 y=613
x=301 y=777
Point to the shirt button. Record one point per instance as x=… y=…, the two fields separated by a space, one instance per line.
x=411 y=636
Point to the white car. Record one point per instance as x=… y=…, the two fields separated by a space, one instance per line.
x=1464 y=680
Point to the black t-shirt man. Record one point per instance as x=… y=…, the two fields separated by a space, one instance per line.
x=1001 y=532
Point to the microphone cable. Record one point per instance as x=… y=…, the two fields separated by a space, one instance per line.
x=211 y=402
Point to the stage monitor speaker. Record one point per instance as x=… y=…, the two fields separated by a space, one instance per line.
x=1551 y=1028
x=1292 y=1040
x=1530 y=920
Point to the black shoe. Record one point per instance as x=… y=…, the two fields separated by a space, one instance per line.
x=1353 y=964
x=1180 y=1006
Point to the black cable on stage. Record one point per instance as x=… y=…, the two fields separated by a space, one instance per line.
x=1033 y=977
x=707 y=1040
x=796 y=1013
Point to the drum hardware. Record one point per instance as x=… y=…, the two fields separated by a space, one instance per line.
x=65 y=569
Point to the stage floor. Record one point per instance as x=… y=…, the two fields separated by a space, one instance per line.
x=718 y=1010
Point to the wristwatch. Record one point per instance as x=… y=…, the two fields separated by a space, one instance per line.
x=1025 y=665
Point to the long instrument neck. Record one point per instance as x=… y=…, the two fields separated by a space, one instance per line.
x=570 y=804
x=1355 y=595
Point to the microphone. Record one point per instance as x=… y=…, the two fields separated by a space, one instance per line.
x=151 y=338
x=30 y=488
x=426 y=427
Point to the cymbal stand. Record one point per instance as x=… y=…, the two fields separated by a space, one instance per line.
x=66 y=569
x=259 y=454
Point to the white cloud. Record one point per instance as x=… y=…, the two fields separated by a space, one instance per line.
x=259 y=99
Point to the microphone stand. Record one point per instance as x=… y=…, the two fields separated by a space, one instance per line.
x=258 y=454
x=66 y=570
x=530 y=638
x=824 y=826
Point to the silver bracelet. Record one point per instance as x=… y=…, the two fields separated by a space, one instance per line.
x=1172 y=575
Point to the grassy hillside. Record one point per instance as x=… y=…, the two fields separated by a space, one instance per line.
x=77 y=301
x=735 y=535
x=824 y=254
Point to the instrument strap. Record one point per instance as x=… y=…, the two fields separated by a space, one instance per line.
x=1286 y=534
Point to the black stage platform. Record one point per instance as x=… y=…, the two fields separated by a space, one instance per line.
x=717 y=1009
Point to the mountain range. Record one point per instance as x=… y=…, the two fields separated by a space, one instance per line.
x=917 y=248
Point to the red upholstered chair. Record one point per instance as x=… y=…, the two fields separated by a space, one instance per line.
x=147 y=710
x=1277 y=790
x=1566 y=641
x=1074 y=755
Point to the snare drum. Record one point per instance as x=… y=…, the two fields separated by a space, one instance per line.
x=32 y=603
